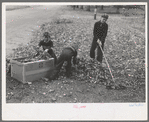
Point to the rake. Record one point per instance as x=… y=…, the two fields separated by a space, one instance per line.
x=115 y=86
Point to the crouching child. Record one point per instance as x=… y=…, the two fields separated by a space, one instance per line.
x=69 y=54
x=47 y=45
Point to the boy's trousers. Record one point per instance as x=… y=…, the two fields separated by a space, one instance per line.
x=99 y=52
x=66 y=55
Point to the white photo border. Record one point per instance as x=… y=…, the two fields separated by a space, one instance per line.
x=61 y=111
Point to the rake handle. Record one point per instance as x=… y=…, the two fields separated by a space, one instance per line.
x=106 y=61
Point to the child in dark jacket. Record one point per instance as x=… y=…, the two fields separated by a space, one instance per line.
x=99 y=32
x=47 y=44
x=68 y=54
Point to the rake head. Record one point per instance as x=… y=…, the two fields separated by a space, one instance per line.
x=116 y=87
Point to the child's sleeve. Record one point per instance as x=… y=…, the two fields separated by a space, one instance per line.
x=104 y=33
x=97 y=31
x=94 y=30
x=51 y=52
x=40 y=43
x=75 y=58
x=51 y=44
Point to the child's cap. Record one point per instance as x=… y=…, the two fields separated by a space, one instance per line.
x=46 y=34
x=105 y=16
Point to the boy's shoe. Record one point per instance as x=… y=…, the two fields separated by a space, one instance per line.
x=103 y=65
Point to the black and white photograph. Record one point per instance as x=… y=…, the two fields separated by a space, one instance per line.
x=84 y=56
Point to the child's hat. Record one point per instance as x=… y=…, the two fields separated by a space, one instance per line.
x=105 y=16
x=46 y=34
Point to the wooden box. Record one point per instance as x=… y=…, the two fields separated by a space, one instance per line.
x=30 y=71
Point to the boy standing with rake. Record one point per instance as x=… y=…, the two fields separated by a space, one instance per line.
x=99 y=32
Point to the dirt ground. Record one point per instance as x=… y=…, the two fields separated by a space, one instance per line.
x=70 y=90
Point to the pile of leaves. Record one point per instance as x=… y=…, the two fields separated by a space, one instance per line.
x=91 y=71
x=30 y=59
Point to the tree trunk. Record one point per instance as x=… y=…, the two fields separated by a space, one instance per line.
x=87 y=8
x=81 y=7
x=117 y=10
x=73 y=7
x=101 y=7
